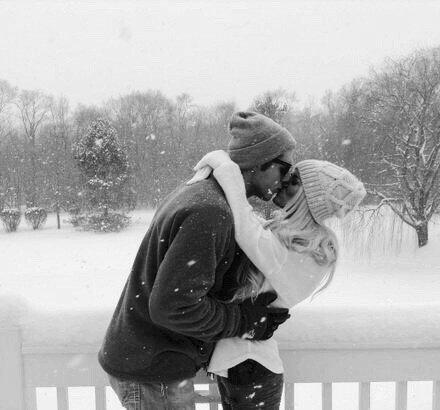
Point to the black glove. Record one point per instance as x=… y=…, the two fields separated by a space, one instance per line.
x=259 y=321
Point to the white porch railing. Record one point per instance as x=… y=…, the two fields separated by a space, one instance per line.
x=24 y=368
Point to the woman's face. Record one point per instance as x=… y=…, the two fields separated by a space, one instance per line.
x=288 y=190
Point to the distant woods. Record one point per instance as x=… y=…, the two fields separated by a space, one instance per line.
x=385 y=128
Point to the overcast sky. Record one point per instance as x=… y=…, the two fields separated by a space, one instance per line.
x=213 y=50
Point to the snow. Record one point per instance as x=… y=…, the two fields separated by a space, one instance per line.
x=61 y=286
x=386 y=292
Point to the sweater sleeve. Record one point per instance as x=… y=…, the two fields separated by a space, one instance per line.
x=180 y=299
x=294 y=276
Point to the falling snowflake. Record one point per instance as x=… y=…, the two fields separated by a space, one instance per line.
x=182 y=384
x=191 y=262
x=176 y=290
x=346 y=142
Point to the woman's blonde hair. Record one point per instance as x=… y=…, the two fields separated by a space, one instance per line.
x=296 y=229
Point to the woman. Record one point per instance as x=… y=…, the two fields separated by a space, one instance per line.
x=294 y=254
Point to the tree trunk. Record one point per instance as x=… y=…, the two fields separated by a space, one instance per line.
x=422 y=234
x=58 y=218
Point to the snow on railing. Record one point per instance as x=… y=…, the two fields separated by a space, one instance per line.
x=28 y=367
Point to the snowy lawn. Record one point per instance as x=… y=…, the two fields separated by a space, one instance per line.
x=58 y=273
x=62 y=286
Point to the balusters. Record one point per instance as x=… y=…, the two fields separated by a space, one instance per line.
x=327 y=396
x=62 y=398
x=401 y=395
x=213 y=393
x=436 y=395
x=364 y=396
x=100 y=398
x=289 y=396
x=31 y=398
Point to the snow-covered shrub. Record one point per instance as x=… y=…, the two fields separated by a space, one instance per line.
x=11 y=218
x=76 y=217
x=74 y=210
x=112 y=222
x=77 y=220
x=36 y=217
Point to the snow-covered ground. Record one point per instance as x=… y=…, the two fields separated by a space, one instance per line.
x=51 y=275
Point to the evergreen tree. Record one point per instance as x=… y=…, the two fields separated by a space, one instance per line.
x=104 y=167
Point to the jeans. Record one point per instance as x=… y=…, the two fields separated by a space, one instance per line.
x=154 y=396
x=258 y=388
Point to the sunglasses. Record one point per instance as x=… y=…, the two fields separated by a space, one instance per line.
x=286 y=165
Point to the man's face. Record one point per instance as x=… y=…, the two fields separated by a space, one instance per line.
x=290 y=186
x=268 y=182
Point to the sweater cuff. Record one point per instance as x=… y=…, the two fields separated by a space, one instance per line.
x=230 y=178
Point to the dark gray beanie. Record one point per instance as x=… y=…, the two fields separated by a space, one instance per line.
x=256 y=139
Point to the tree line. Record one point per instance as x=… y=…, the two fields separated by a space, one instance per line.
x=384 y=127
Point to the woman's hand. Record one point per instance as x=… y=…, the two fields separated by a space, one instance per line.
x=213 y=159
x=210 y=161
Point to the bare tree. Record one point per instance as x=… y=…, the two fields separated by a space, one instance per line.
x=402 y=111
x=274 y=104
x=7 y=172
x=144 y=120
x=343 y=137
x=7 y=95
x=58 y=158
x=33 y=108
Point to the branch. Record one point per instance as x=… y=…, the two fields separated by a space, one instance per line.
x=430 y=181
x=433 y=155
x=434 y=205
x=391 y=203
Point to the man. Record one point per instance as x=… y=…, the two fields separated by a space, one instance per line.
x=172 y=309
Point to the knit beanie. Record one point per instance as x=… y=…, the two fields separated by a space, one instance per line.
x=330 y=190
x=256 y=139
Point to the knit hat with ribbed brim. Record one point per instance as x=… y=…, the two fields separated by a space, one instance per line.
x=256 y=139
x=329 y=189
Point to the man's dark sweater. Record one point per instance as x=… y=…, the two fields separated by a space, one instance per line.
x=171 y=312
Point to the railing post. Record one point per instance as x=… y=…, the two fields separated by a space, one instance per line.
x=11 y=369
x=436 y=395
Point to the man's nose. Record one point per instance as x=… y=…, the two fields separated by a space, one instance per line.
x=279 y=186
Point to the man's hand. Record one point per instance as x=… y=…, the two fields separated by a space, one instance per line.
x=259 y=321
